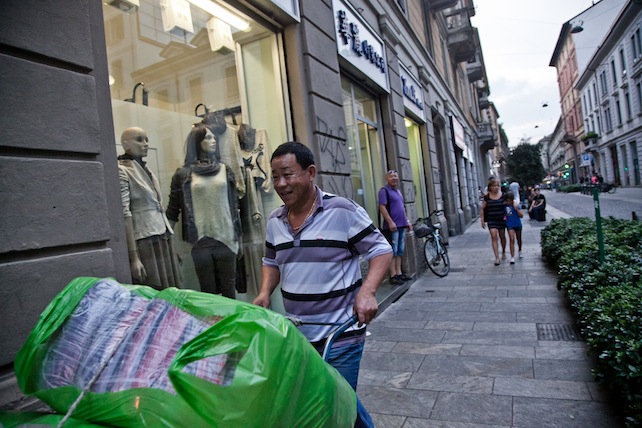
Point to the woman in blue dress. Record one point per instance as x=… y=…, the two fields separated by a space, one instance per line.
x=514 y=224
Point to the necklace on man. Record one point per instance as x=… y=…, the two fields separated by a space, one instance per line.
x=296 y=229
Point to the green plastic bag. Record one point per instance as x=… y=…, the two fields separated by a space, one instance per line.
x=267 y=373
x=35 y=419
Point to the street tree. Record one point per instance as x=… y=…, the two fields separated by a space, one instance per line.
x=524 y=164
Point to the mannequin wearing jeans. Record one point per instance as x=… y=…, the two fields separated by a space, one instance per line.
x=204 y=192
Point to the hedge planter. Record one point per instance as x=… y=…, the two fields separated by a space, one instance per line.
x=606 y=298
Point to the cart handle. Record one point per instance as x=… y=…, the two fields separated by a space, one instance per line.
x=338 y=332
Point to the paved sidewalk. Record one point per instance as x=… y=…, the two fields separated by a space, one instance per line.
x=464 y=352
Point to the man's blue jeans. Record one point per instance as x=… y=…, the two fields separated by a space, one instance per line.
x=346 y=359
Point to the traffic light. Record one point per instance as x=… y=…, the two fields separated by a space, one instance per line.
x=566 y=166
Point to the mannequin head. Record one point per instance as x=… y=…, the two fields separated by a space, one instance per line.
x=247 y=137
x=201 y=145
x=216 y=122
x=135 y=142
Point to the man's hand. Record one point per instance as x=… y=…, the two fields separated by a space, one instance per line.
x=366 y=306
x=263 y=300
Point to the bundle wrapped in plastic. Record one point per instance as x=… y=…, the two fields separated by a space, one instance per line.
x=132 y=356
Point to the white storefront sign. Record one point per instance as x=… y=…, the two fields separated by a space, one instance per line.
x=413 y=94
x=358 y=44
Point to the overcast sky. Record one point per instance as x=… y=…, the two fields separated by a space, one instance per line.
x=518 y=38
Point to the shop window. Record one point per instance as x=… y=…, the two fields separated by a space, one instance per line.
x=419 y=177
x=364 y=144
x=166 y=80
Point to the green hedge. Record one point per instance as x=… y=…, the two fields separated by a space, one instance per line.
x=606 y=297
x=571 y=188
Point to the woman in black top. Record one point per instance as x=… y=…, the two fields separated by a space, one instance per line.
x=493 y=213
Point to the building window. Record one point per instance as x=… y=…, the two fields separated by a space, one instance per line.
x=608 y=125
x=603 y=86
x=638 y=90
x=618 y=111
x=622 y=62
x=636 y=45
x=627 y=105
x=595 y=94
x=614 y=73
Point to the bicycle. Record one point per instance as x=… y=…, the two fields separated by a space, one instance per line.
x=435 y=251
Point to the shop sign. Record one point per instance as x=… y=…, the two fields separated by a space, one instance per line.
x=359 y=44
x=458 y=133
x=413 y=96
x=291 y=7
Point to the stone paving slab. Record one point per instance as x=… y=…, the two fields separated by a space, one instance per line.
x=463 y=351
x=498 y=351
x=573 y=370
x=431 y=423
x=542 y=388
x=399 y=401
x=471 y=316
x=491 y=338
x=473 y=408
x=547 y=413
x=478 y=366
x=440 y=382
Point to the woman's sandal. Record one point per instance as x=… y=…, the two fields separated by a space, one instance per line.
x=496 y=262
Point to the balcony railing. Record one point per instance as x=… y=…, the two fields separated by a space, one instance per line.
x=474 y=69
x=485 y=136
x=483 y=103
x=437 y=5
x=461 y=37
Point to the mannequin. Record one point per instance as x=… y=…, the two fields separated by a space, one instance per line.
x=229 y=151
x=258 y=176
x=204 y=192
x=149 y=234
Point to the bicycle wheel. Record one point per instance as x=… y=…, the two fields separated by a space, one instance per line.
x=438 y=263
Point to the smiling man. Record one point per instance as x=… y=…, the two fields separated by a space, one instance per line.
x=313 y=244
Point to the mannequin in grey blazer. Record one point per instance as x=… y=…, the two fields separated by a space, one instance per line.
x=148 y=232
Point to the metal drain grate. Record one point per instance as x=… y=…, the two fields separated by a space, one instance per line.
x=565 y=332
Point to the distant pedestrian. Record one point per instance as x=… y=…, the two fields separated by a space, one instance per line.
x=493 y=213
x=537 y=210
x=514 y=187
x=513 y=216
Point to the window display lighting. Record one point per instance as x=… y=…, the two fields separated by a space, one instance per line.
x=222 y=13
